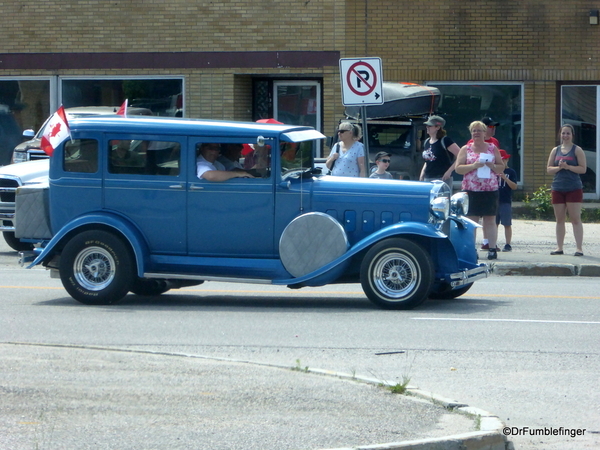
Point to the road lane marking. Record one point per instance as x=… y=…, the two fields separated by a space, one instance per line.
x=506 y=320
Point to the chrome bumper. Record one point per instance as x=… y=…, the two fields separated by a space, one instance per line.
x=471 y=275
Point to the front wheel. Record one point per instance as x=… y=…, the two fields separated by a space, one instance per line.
x=96 y=268
x=397 y=274
x=14 y=243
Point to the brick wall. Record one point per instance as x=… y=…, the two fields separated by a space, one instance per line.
x=532 y=41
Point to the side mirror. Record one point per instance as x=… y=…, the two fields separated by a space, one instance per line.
x=28 y=134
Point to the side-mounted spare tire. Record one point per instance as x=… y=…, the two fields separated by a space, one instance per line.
x=397 y=273
x=97 y=268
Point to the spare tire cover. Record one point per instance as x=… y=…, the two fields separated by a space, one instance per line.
x=311 y=241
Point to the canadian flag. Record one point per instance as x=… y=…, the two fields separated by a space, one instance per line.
x=56 y=131
x=123 y=109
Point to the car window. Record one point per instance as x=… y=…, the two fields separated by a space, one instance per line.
x=144 y=157
x=81 y=155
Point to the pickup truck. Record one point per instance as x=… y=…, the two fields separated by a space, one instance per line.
x=12 y=177
x=148 y=223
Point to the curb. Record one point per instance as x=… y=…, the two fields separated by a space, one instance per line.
x=546 y=269
x=489 y=437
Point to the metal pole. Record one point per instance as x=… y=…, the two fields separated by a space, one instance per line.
x=363 y=115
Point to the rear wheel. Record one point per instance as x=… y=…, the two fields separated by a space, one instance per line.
x=397 y=274
x=14 y=243
x=149 y=287
x=96 y=268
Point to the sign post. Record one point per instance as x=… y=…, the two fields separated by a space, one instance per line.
x=362 y=86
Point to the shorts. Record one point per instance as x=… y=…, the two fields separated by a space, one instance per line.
x=504 y=216
x=484 y=203
x=559 y=197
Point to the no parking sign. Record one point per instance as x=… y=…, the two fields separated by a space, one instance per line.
x=361 y=81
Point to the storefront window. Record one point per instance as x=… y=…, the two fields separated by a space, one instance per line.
x=580 y=109
x=163 y=96
x=461 y=104
x=24 y=103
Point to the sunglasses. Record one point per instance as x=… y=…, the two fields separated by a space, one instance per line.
x=342 y=131
x=385 y=160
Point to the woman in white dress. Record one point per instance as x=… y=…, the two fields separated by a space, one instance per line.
x=347 y=157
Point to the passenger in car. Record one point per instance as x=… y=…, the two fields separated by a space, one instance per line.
x=208 y=168
x=230 y=156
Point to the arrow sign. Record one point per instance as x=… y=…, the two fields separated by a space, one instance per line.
x=361 y=81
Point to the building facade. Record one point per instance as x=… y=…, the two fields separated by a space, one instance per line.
x=530 y=65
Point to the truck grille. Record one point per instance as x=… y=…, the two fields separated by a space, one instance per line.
x=8 y=187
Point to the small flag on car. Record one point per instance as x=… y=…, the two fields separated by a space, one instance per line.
x=123 y=109
x=56 y=131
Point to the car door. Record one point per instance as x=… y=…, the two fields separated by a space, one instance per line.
x=232 y=218
x=145 y=182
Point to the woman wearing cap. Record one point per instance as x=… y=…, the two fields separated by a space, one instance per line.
x=439 y=153
x=347 y=157
x=567 y=162
x=480 y=163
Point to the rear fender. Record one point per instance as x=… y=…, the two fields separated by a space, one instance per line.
x=111 y=222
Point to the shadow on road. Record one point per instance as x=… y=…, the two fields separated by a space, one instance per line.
x=465 y=305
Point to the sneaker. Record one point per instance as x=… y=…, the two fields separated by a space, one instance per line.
x=485 y=247
x=492 y=254
x=507 y=248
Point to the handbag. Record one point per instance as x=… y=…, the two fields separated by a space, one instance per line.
x=337 y=147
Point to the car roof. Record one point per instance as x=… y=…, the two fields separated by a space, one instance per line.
x=103 y=110
x=191 y=127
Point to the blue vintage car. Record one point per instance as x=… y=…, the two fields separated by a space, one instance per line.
x=125 y=211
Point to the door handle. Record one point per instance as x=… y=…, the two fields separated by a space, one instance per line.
x=176 y=186
x=195 y=187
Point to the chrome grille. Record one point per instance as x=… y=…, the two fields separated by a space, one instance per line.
x=8 y=187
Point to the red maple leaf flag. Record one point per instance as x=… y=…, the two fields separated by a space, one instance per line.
x=56 y=131
x=123 y=109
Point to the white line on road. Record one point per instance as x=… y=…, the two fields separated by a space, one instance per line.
x=505 y=320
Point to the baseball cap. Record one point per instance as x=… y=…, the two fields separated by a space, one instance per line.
x=489 y=122
x=503 y=154
x=436 y=121
x=380 y=155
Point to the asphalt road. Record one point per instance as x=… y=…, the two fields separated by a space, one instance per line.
x=523 y=348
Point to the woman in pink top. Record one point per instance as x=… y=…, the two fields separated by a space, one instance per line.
x=480 y=164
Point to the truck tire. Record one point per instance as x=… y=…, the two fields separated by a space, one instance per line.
x=397 y=274
x=16 y=244
x=96 y=268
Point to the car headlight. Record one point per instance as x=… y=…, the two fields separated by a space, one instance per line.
x=440 y=208
x=460 y=204
x=439 y=201
x=19 y=157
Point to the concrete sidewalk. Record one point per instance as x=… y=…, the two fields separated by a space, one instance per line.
x=532 y=243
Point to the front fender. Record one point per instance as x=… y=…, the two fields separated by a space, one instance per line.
x=114 y=222
x=330 y=272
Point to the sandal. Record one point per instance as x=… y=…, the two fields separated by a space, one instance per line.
x=578 y=254
x=559 y=252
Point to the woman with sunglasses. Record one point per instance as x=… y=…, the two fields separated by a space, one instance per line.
x=439 y=153
x=347 y=157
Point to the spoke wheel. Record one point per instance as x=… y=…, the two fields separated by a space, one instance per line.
x=397 y=274
x=96 y=268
